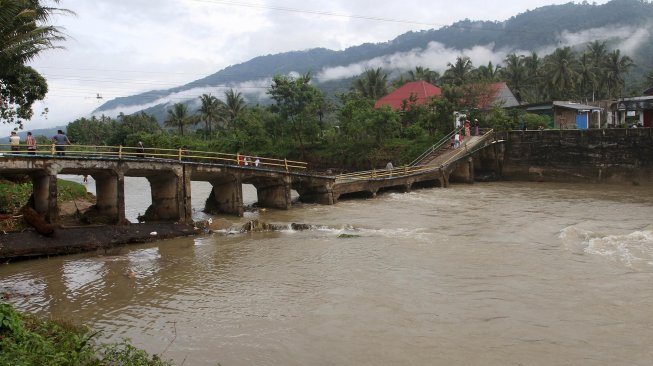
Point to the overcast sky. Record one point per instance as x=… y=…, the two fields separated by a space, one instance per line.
x=123 y=47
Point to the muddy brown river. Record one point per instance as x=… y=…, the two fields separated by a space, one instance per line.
x=485 y=274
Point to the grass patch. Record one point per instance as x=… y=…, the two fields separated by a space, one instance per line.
x=13 y=195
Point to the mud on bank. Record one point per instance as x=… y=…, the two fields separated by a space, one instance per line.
x=70 y=240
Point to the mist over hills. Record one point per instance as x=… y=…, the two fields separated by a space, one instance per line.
x=623 y=24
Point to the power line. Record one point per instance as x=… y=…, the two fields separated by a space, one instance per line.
x=315 y=12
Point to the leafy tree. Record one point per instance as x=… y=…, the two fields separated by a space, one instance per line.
x=91 y=131
x=128 y=125
x=23 y=35
x=534 y=121
x=362 y=123
x=178 y=117
x=297 y=102
x=373 y=84
x=499 y=120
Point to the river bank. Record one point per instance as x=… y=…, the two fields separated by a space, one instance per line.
x=69 y=240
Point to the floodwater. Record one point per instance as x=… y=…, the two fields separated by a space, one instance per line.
x=483 y=274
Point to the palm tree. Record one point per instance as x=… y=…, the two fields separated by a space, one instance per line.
x=235 y=105
x=515 y=74
x=373 y=84
x=586 y=76
x=561 y=69
x=23 y=34
x=615 y=69
x=489 y=73
x=209 y=111
x=424 y=73
x=532 y=90
x=178 y=117
x=597 y=52
x=459 y=73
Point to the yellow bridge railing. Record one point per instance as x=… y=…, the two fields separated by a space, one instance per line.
x=180 y=154
x=410 y=169
x=384 y=173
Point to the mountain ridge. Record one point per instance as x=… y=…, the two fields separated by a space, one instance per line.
x=527 y=31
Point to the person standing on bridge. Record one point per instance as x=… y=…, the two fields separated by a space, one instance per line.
x=60 y=141
x=141 y=150
x=475 y=127
x=14 y=141
x=31 y=144
x=467 y=128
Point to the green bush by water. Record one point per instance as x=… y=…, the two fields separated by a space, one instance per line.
x=26 y=340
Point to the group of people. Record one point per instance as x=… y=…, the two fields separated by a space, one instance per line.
x=244 y=160
x=458 y=137
x=60 y=140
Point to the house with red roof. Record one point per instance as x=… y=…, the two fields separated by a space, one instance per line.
x=416 y=92
x=420 y=92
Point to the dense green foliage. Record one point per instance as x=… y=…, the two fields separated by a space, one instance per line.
x=26 y=340
x=24 y=33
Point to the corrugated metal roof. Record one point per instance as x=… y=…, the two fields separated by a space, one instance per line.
x=576 y=106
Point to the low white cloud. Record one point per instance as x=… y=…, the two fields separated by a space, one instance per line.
x=625 y=38
x=435 y=56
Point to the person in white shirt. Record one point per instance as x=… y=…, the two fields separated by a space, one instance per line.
x=14 y=141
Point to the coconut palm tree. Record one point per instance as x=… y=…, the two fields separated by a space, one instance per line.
x=489 y=73
x=424 y=73
x=373 y=84
x=210 y=111
x=178 y=117
x=586 y=76
x=532 y=90
x=614 y=70
x=515 y=74
x=23 y=35
x=561 y=68
x=235 y=105
x=459 y=73
x=23 y=32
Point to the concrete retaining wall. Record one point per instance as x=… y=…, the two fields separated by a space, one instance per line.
x=595 y=155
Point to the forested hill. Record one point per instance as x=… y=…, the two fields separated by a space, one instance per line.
x=534 y=30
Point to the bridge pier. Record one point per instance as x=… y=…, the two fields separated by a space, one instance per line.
x=226 y=196
x=463 y=172
x=274 y=194
x=44 y=190
x=110 y=197
x=167 y=197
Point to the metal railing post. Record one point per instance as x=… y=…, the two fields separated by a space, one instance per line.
x=52 y=149
x=180 y=153
x=120 y=152
x=285 y=161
